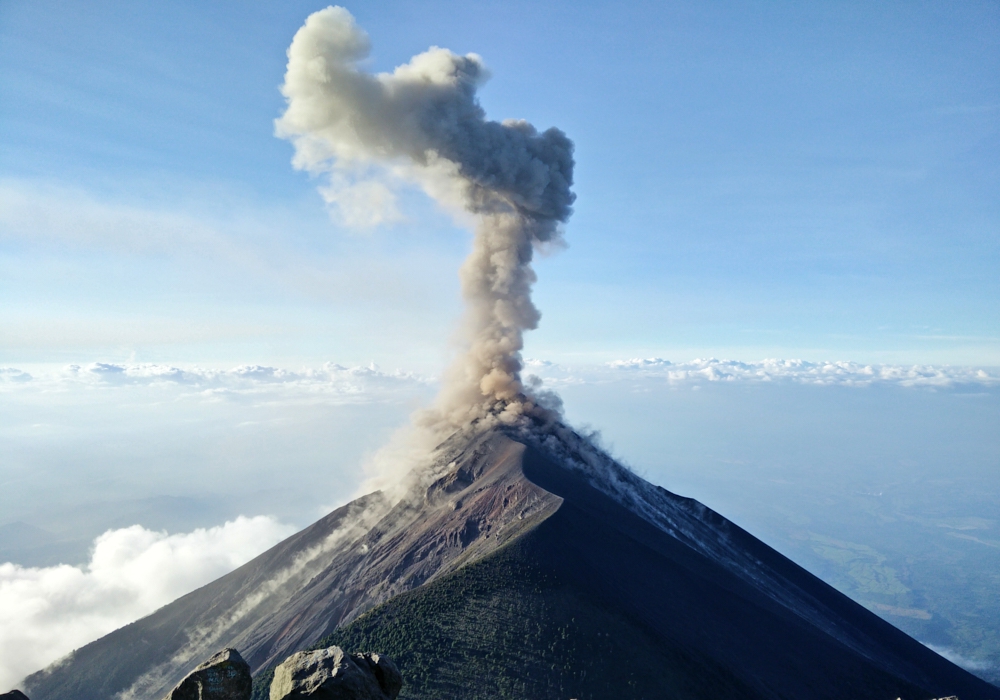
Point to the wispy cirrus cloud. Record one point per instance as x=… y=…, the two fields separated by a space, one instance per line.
x=89 y=272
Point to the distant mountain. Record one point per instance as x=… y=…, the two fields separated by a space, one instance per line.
x=22 y=535
x=67 y=533
x=533 y=566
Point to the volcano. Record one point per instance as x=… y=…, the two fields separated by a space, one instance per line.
x=529 y=564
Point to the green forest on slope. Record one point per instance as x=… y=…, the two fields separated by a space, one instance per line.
x=504 y=627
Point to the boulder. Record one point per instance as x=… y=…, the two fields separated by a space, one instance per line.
x=384 y=670
x=226 y=676
x=330 y=674
x=14 y=695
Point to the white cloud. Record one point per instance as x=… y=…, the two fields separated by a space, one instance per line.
x=47 y=612
x=371 y=383
x=839 y=373
x=348 y=384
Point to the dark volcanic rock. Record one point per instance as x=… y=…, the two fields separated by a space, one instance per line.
x=330 y=674
x=14 y=695
x=226 y=676
x=384 y=670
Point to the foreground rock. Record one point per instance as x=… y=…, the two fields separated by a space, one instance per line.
x=330 y=674
x=14 y=695
x=226 y=676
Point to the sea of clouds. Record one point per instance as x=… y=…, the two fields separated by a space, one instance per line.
x=47 y=612
x=698 y=371
x=75 y=434
x=116 y=430
x=368 y=383
x=348 y=383
x=91 y=434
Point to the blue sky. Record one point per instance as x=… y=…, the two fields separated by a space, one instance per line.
x=754 y=180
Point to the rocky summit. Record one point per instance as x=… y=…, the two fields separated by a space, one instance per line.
x=331 y=674
x=531 y=565
x=225 y=676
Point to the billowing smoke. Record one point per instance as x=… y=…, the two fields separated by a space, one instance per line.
x=423 y=123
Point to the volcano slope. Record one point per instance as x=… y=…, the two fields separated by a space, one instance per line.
x=529 y=566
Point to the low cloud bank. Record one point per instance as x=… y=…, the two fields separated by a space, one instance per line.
x=371 y=382
x=331 y=378
x=840 y=373
x=45 y=613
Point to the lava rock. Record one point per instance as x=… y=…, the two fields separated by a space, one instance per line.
x=384 y=670
x=14 y=695
x=330 y=674
x=226 y=676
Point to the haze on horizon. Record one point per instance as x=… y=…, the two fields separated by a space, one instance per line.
x=186 y=322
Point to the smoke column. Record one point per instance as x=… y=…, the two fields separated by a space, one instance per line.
x=423 y=123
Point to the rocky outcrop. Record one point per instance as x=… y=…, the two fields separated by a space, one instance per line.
x=225 y=676
x=14 y=695
x=386 y=674
x=331 y=674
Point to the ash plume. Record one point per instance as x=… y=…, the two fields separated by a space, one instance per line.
x=423 y=123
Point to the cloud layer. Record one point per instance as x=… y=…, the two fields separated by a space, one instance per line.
x=331 y=382
x=840 y=373
x=45 y=613
x=370 y=383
